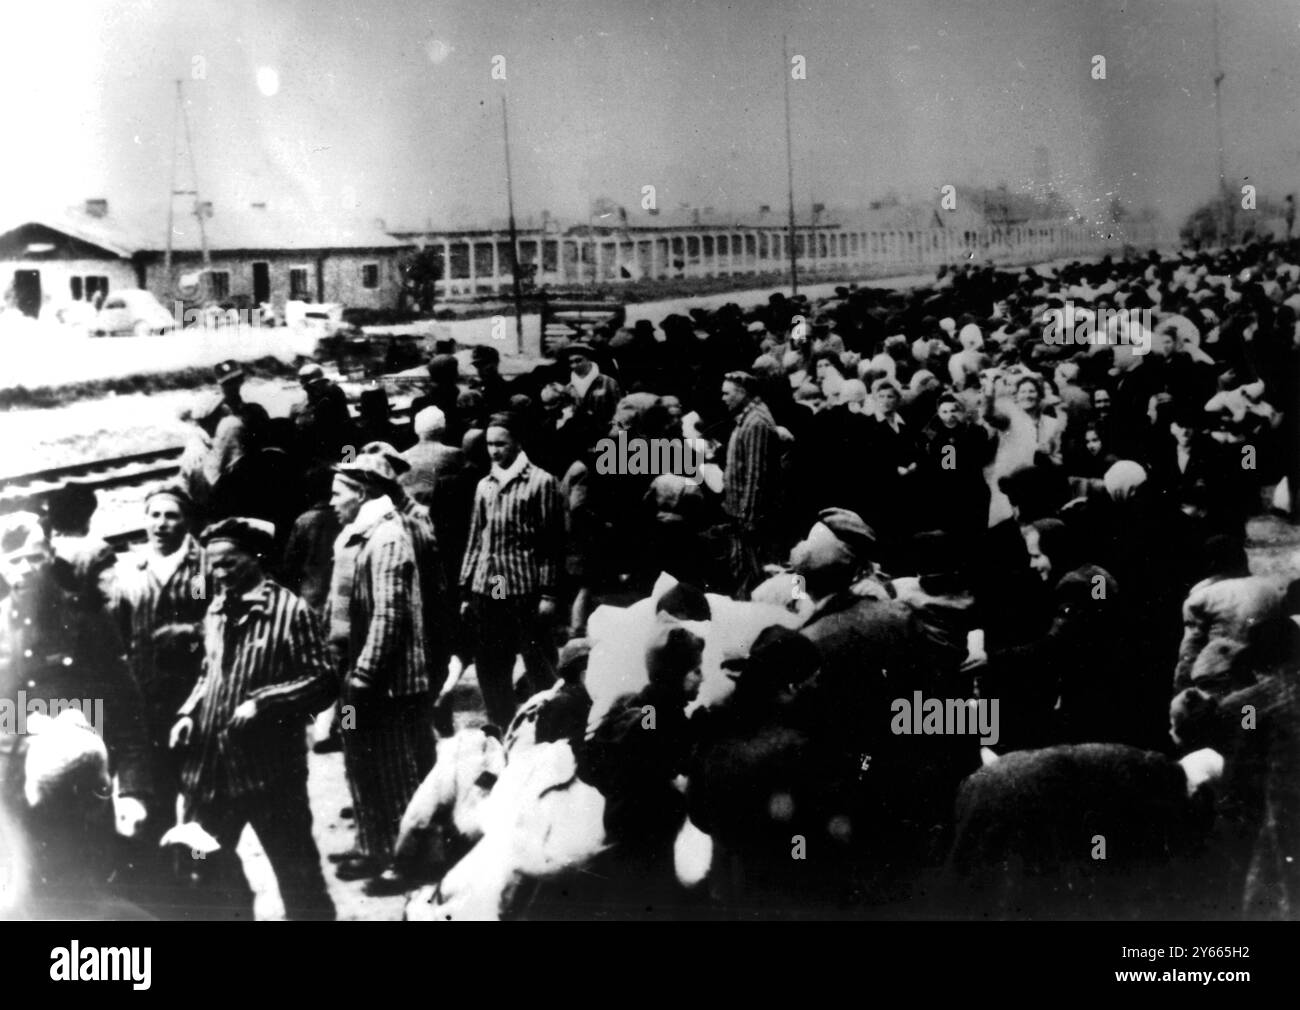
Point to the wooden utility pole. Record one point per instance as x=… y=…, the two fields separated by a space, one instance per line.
x=789 y=169
x=1218 y=131
x=183 y=119
x=514 y=236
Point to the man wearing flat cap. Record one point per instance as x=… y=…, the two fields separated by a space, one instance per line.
x=322 y=420
x=418 y=520
x=873 y=648
x=377 y=635
x=496 y=390
x=594 y=395
x=239 y=431
x=240 y=732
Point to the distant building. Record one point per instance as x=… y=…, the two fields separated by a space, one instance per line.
x=257 y=255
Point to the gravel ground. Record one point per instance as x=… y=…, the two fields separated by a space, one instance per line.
x=327 y=790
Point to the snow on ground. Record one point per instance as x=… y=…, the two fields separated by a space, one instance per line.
x=51 y=354
x=37 y=439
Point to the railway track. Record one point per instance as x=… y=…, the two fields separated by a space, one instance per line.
x=29 y=491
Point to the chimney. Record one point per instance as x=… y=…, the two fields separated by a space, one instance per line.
x=97 y=207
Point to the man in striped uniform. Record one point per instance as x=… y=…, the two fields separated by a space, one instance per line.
x=752 y=488
x=510 y=575
x=159 y=599
x=265 y=672
x=377 y=632
x=438 y=615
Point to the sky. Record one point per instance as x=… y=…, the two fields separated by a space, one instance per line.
x=389 y=109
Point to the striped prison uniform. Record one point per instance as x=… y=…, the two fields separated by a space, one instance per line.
x=165 y=670
x=266 y=646
x=386 y=719
x=516 y=543
x=751 y=493
x=436 y=612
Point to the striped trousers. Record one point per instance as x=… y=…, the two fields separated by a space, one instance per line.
x=388 y=749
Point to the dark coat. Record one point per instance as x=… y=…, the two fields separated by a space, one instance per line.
x=873 y=652
x=955 y=493
x=80 y=656
x=1027 y=829
x=633 y=759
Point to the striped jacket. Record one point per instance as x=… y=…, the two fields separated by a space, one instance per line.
x=141 y=604
x=436 y=613
x=752 y=490
x=516 y=535
x=386 y=609
x=266 y=646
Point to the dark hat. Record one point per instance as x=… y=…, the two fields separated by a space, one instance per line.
x=371 y=469
x=849 y=527
x=778 y=656
x=373 y=402
x=672 y=654
x=483 y=354
x=70 y=506
x=388 y=452
x=228 y=370
x=684 y=602
x=444 y=345
x=444 y=368
x=576 y=347
x=255 y=535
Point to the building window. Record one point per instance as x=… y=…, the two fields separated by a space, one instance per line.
x=76 y=289
x=93 y=285
x=370 y=275
x=298 y=284
x=220 y=284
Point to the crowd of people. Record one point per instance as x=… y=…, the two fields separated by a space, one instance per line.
x=938 y=495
